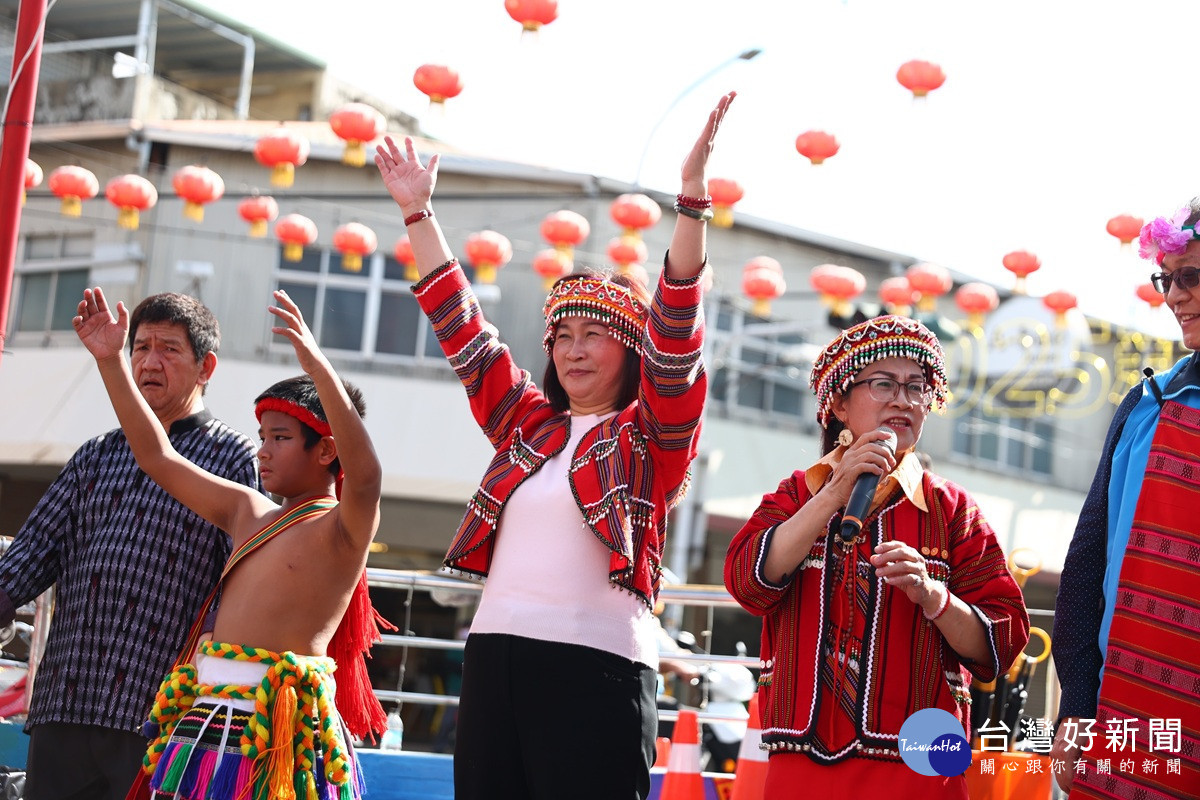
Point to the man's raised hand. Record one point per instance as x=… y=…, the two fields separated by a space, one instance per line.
x=102 y=335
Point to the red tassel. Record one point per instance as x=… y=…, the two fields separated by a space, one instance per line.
x=359 y=629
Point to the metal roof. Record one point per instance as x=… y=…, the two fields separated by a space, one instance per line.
x=188 y=40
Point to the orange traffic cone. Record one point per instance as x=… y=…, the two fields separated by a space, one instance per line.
x=683 y=781
x=752 y=760
x=662 y=751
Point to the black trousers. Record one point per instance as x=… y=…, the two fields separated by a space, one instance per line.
x=74 y=762
x=545 y=720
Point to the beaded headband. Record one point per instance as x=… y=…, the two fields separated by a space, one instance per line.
x=611 y=303
x=292 y=410
x=871 y=341
x=1163 y=236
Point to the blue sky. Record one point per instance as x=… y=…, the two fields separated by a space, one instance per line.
x=1055 y=116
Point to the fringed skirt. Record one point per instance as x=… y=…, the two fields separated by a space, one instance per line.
x=204 y=761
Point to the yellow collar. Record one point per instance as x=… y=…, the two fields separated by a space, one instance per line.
x=907 y=475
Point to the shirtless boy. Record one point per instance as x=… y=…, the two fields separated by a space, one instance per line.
x=288 y=600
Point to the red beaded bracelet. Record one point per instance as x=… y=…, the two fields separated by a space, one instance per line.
x=693 y=202
x=941 y=609
x=424 y=213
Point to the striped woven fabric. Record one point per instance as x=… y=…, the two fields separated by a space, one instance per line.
x=627 y=472
x=1150 y=694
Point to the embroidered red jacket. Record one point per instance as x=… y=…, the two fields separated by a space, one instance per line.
x=626 y=473
x=904 y=664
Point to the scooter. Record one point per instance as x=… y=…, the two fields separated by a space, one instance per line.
x=723 y=689
x=729 y=688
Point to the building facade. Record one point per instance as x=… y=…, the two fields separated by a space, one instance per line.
x=1033 y=393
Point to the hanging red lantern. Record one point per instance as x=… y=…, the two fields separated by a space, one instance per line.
x=977 y=300
x=1124 y=227
x=296 y=232
x=532 y=14
x=930 y=281
x=131 y=194
x=1021 y=263
x=404 y=255
x=625 y=251
x=565 y=230
x=73 y=185
x=356 y=124
x=258 y=210
x=354 y=241
x=724 y=193
x=897 y=295
x=439 y=82
x=817 y=146
x=762 y=282
x=920 y=77
x=1060 y=303
x=197 y=185
x=1148 y=294
x=488 y=251
x=551 y=265
x=33 y=177
x=282 y=150
x=634 y=213
x=838 y=286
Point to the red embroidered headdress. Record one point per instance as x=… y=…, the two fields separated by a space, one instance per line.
x=871 y=341
x=599 y=299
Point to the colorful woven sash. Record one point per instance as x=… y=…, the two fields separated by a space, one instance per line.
x=291 y=746
x=1152 y=666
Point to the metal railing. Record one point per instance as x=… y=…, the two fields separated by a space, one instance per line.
x=411 y=581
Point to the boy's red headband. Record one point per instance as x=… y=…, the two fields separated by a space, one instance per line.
x=292 y=410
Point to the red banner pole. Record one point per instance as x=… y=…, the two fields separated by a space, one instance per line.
x=18 y=130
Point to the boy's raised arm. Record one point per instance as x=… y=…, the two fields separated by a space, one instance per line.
x=215 y=499
x=358 y=510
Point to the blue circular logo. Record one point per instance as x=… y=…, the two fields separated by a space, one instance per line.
x=932 y=743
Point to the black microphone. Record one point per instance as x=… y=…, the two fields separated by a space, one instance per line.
x=862 y=494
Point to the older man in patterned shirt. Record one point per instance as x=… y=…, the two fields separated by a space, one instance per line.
x=132 y=565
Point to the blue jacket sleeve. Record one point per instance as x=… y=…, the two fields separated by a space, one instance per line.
x=1079 y=607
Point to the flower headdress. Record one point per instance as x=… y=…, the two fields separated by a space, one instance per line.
x=599 y=299
x=871 y=341
x=1163 y=236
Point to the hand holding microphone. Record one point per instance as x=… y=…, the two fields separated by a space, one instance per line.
x=863 y=492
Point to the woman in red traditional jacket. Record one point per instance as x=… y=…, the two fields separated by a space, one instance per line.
x=862 y=631
x=568 y=523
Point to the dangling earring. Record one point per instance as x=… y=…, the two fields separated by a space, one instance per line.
x=845 y=438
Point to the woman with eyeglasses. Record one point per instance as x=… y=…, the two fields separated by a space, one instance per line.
x=865 y=625
x=1126 y=636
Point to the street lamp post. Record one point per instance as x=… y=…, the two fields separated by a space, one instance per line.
x=746 y=55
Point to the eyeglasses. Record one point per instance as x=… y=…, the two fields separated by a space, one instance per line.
x=1185 y=277
x=885 y=390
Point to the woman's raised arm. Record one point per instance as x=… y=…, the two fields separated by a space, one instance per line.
x=688 y=243
x=411 y=185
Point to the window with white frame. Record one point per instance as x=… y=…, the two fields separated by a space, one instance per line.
x=1013 y=443
x=51 y=276
x=370 y=312
x=757 y=369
